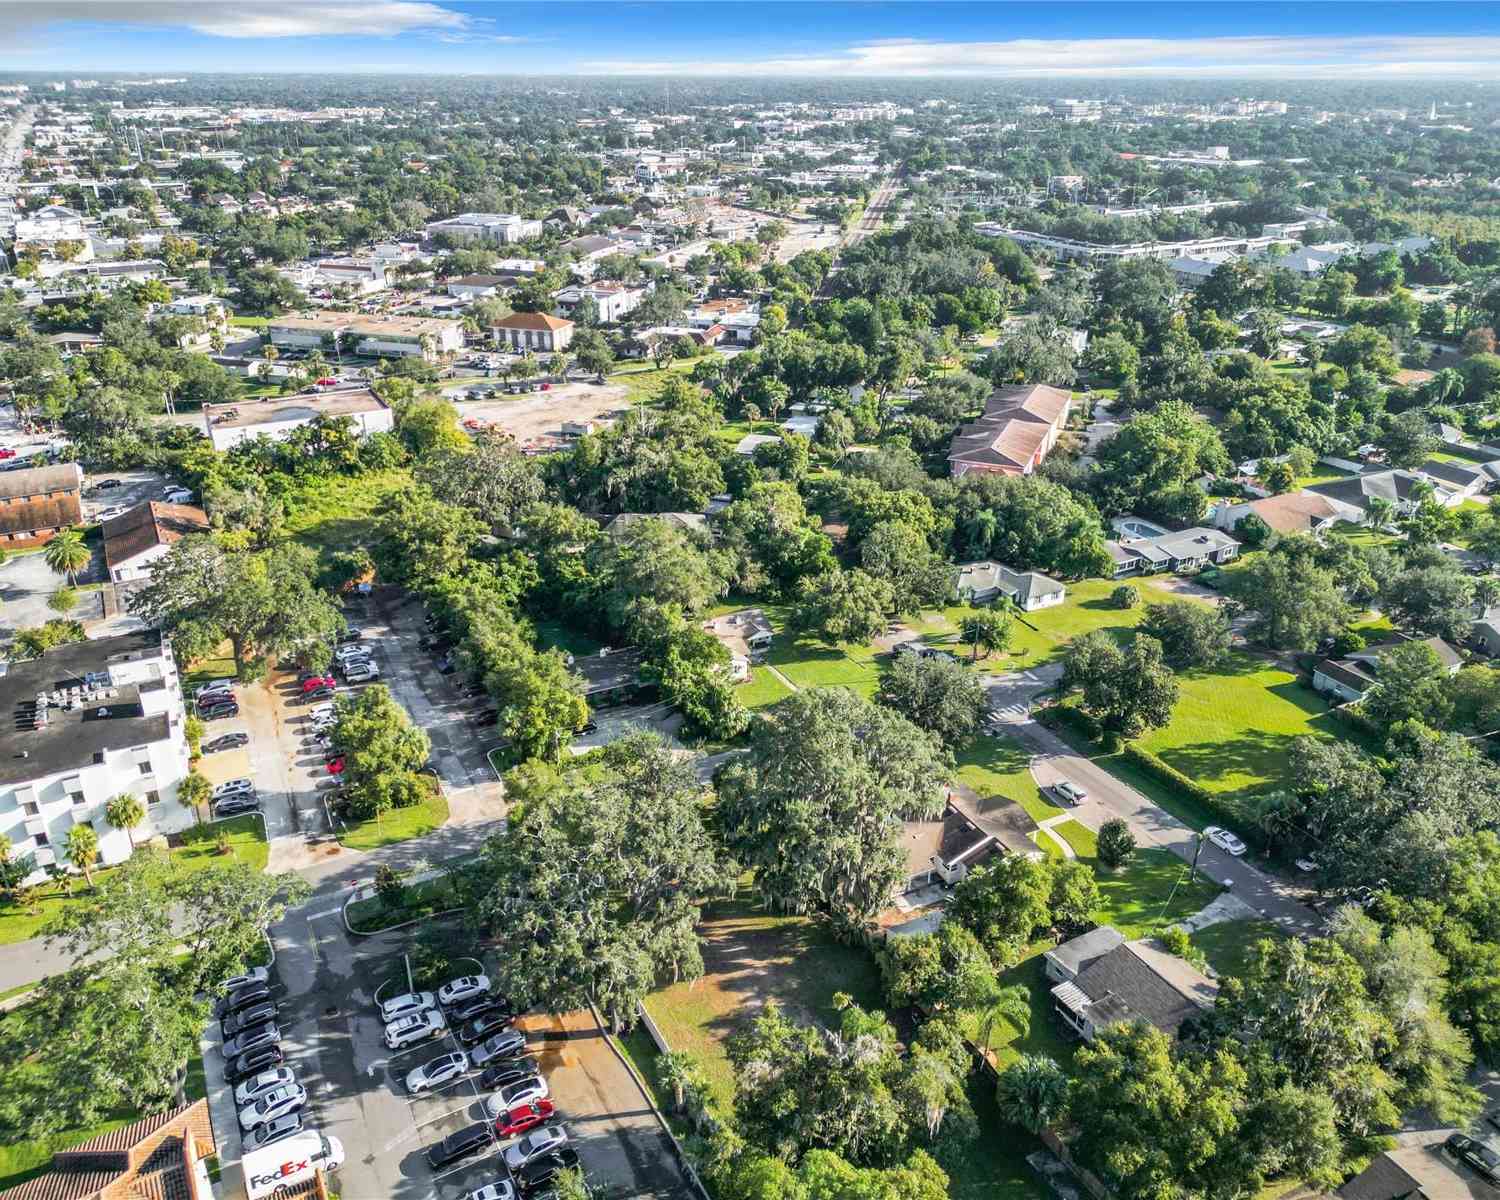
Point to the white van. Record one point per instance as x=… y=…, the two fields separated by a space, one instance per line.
x=290 y=1160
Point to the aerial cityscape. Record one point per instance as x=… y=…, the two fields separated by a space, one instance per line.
x=802 y=601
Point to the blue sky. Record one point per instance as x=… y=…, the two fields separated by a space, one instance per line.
x=1206 y=38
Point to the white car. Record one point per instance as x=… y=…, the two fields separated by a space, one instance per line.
x=276 y=1103
x=1069 y=793
x=258 y=1085
x=437 y=1072
x=1225 y=840
x=403 y=1006
x=417 y=1027
x=323 y=710
x=457 y=990
x=501 y=1189
x=364 y=673
x=497 y=1104
x=535 y=1144
x=235 y=787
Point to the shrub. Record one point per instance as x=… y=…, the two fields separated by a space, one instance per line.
x=1125 y=596
x=1177 y=942
x=1170 y=775
x=1116 y=843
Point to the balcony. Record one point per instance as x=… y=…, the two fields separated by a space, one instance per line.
x=36 y=825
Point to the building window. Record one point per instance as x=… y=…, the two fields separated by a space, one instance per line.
x=145 y=767
x=153 y=797
x=76 y=797
x=31 y=810
x=41 y=839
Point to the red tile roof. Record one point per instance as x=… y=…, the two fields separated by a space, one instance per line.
x=148 y=525
x=533 y=320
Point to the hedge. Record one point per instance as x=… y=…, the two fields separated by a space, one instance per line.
x=1216 y=804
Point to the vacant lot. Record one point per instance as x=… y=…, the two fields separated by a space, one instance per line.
x=538 y=416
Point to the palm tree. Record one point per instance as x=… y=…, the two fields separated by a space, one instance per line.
x=1011 y=1004
x=1032 y=1092
x=194 y=790
x=675 y=1070
x=82 y=850
x=1381 y=512
x=125 y=812
x=67 y=555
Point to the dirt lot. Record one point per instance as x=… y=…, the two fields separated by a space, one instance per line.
x=538 y=416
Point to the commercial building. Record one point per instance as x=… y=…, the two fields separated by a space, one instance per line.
x=38 y=502
x=498 y=229
x=612 y=301
x=534 y=331
x=276 y=416
x=375 y=337
x=91 y=721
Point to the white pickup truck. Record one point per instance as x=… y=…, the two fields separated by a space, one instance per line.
x=290 y=1160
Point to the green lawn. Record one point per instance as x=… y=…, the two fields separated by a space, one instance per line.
x=250 y=322
x=398 y=825
x=1044 y=1035
x=335 y=512
x=196 y=847
x=761 y=689
x=1227 y=944
x=554 y=635
x=750 y=956
x=20 y=1161
x=997 y=766
x=1080 y=837
x=809 y=663
x=219 y=665
x=423 y=899
x=1149 y=893
x=643 y=381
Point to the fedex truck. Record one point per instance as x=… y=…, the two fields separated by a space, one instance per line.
x=291 y=1160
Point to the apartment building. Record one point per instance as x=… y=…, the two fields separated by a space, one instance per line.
x=91 y=721
x=376 y=337
x=38 y=502
x=1016 y=432
x=500 y=229
x=534 y=331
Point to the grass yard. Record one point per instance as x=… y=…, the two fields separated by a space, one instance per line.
x=751 y=956
x=398 y=825
x=762 y=689
x=1149 y=893
x=20 y=1161
x=998 y=766
x=641 y=383
x=1232 y=728
x=1227 y=944
x=1044 y=1035
x=196 y=847
x=219 y=665
x=1080 y=837
x=334 y=513
x=809 y=664
x=424 y=899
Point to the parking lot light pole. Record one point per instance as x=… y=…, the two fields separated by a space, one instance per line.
x=411 y=985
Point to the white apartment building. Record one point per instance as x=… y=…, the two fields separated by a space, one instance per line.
x=613 y=300
x=92 y=720
x=48 y=227
x=494 y=228
x=377 y=337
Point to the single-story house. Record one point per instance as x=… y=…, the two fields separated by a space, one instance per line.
x=1129 y=982
x=694 y=523
x=1290 y=512
x=983 y=582
x=1484 y=632
x=1416 y=1172
x=476 y=287
x=1187 y=550
x=1461 y=479
x=1402 y=489
x=746 y=634
x=945 y=850
x=136 y=539
x=609 y=676
x=1351 y=677
x=1065 y=962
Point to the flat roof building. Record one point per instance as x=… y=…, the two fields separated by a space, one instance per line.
x=275 y=417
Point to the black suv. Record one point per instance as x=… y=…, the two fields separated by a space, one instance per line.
x=253 y=1062
x=467 y=1010
x=472 y=1139
x=485 y=1024
x=537 y=1175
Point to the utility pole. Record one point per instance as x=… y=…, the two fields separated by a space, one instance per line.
x=1197 y=850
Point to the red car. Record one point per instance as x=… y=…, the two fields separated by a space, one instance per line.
x=336 y=767
x=327 y=382
x=527 y=1116
x=318 y=681
x=7 y=452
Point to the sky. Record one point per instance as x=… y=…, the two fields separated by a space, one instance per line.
x=1205 y=38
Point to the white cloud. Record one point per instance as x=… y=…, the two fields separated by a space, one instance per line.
x=1226 y=56
x=252 y=19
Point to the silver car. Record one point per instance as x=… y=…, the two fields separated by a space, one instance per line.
x=258 y=1085
x=278 y=1102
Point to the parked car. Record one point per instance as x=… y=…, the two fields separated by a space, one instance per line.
x=542 y=1171
x=218 y=710
x=272 y=1131
x=526 y=1116
x=345 y=653
x=1475 y=1155
x=484 y=1025
x=276 y=1103
x=336 y=766
x=500 y=1189
x=502 y=1045
x=513 y=1095
x=463 y=988
x=255 y=975
x=232 y=806
x=178 y=496
x=362 y=673
x=252 y=1039
x=235 y=787
x=534 y=1145
x=316 y=682
x=505 y=1071
x=466 y=1010
x=467 y=1142
x=1069 y=793
x=438 y=1071
x=352 y=634
x=1224 y=840
x=252 y=1062
x=258 y=1085
x=242 y=998
x=326 y=692
x=248 y=1018
x=6 y=452
x=404 y=1005
x=417 y=1027
x=225 y=741
x=105 y=485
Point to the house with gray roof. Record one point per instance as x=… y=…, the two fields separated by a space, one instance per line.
x=1462 y=479
x=985 y=582
x=1403 y=489
x=1355 y=675
x=1133 y=981
x=1180 y=552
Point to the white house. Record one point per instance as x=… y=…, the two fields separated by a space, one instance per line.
x=498 y=229
x=93 y=720
x=135 y=540
x=376 y=337
x=276 y=416
x=982 y=582
x=1353 y=676
x=613 y=300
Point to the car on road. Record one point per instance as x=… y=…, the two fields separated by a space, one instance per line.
x=438 y=1071
x=110 y=513
x=242 y=998
x=272 y=1131
x=252 y=1063
x=248 y=1018
x=484 y=1025
x=218 y=710
x=252 y=1038
x=542 y=1171
x=534 y=1145
x=1224 y=840
x=523 y=1117
x=278 y=1102
x=1475 y=1155
x=417 y=1027
x=105 y=485
x=501 y=1189
x=505 y=1071
x=362 y=673
x=235 y=787
x=1069 y=793
x=234 y=805
x=513 y=1095
x=463 y=988
x=467 y=1142
x=466 y=1010
x=501 y=1045
x=404 y=1005
x=255 y=975
x=225 y=741
x=259 y=1085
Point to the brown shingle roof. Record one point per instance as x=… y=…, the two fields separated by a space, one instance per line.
x=530 y=320
x=1293 y=512
x=27 y=515
x=148 y=525
x=38 y=481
